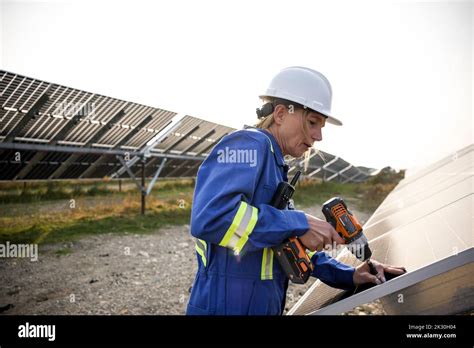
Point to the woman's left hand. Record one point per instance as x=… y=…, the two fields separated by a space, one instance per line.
x=362 y=273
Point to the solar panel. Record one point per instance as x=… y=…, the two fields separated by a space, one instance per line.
x=329 y=167
x=426 y=225
x=65 y=133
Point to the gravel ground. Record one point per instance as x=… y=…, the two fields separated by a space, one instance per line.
x=107 y=274
x=115 y=274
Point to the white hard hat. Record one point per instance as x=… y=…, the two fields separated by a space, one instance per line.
x=306 y=87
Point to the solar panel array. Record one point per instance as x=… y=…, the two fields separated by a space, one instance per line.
x=426 y=225
x=49 y=131
x=329 y=167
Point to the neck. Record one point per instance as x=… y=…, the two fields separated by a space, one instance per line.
x=274 y=131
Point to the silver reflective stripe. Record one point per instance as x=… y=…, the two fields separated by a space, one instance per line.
x=201 y=243
x=201 y=247
x=267 y=264
x=239 y=232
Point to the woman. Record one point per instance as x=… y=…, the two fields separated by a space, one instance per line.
x=231 y=217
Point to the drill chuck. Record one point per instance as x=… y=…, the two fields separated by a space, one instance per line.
x=360 y=247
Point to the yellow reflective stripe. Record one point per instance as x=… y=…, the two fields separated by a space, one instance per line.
x=235 y=224
x=253 y=221
x=201 y=247
x=311 y=253
x=267 y=264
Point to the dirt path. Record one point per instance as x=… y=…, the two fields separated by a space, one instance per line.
x=113 y=274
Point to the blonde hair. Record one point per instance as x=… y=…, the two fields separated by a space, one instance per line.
x=267 y=121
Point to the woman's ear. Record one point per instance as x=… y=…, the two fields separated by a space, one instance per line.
x=279 y=114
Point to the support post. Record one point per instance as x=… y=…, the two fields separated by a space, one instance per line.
x=143 y=192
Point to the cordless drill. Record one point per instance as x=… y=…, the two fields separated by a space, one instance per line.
x=346 y=225
x=291 y=254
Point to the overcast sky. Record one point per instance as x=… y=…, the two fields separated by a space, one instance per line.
x=401 y=71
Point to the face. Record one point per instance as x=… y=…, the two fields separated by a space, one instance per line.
x=291 y=134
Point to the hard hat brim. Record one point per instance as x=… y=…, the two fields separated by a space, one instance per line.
x=333 y=120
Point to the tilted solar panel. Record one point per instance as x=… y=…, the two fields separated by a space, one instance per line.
x=426 y=225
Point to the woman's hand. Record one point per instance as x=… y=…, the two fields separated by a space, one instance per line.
x=362 y=273
x=320 y=233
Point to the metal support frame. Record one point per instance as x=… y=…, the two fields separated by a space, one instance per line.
x=90 y=151
x=155 y=177
x=75 y=151
x=300 y=163
x=323 y=167
x=339 y=172
x=333 y=176
x=314 y=172
x=146 y=150
x=63 y=148
x=176 y=143
x=335 y=173
x=353 y=177
x=144 y=191
x=130 y=173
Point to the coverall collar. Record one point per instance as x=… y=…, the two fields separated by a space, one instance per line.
x=277 y=150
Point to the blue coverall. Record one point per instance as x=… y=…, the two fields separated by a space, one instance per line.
x=235 y=228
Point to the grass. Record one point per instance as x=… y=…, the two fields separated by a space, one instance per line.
x=365 y=196
x=122 y=216
x=52 y=221
x=51 y=229
x=62 y=252
x=59 y=190
x=134 y=223
x=310 y=192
